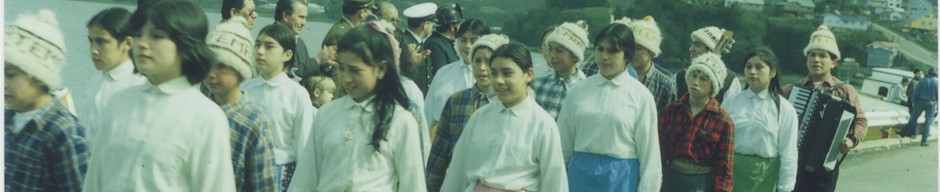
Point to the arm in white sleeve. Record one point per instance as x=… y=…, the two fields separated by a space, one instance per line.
x=303 y=123
x=786 y=146
x=211 y=163
x=434 y=101
x=407 y=154
x=551 y=163
x=566 y=128
x=307 y=165
x=646 y=135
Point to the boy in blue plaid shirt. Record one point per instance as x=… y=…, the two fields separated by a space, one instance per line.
x=252 y=150
x=566 y=46
x=44 y=147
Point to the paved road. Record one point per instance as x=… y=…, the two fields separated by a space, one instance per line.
x=911 y=49
x=908 y=168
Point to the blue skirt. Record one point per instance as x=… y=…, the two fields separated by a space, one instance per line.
x=593 y=172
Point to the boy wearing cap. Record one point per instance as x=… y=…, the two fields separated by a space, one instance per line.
x=822 y=54
x=441 y=42
x=111 y=43
x=566 y=46
x=696 y=135
x=648 y=39
x=706 y=40
x=45 y=148
x=420 y=23
x=252 y=151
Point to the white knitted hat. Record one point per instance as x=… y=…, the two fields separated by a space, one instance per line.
x=823 y=39
x=647 y=34
x=36 y=45
x=624 y=21
x=710 y=64
x=710 y=36
x=491 y=41
x=572 y=36
x=233 y=45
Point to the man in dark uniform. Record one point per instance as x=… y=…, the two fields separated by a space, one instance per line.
x=441 y=43
x=293 y=15
x=420 y=24
x=354 y=14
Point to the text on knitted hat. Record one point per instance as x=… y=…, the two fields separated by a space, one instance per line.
x=233 y=42
x=39 y=48
x=568 y=34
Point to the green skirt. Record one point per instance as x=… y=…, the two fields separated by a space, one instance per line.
x=755 y=173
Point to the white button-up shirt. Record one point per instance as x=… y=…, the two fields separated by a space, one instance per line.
x=515 y=148
x=166 y=137
x=450 y=79
x=616 y=118
x=340 y=156
x=761 y=129
x=288 y=105
x=414 y=95
x=99 y=90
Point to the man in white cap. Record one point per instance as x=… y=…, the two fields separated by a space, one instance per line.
x=566 y=44
x=708 y=40
x=111 y=42
x=252 y=148
x=420 y=24
x=822 y=54
x=45 y=147
x=648 y=39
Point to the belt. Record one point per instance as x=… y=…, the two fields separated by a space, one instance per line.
x=689 y=167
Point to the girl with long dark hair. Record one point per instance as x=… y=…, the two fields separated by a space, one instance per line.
x=366 y=140
x=765 y=128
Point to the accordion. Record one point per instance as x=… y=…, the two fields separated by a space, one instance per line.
x=824 y=121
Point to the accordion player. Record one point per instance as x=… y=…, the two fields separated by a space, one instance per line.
x=824 y=120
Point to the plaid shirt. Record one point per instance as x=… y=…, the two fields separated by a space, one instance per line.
x=846 y=92
x=707 y=138
x=252 y=150
x=456 y=113
x=661 y=85
x=49 y=154
x=551 y=90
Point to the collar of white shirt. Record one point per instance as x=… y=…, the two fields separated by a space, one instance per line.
x=121 y=71
x=169 y=87
x=278 y=80
x=518 y=110
x=762 y=95
x=420 y=40
x=367 y=105
x=618 y=81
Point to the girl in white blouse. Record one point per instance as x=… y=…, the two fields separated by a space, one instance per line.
x=366 y=140
x=609 y=139
x=512 y=145
x=164 y=135
x=285 y=102
x=765 y=126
